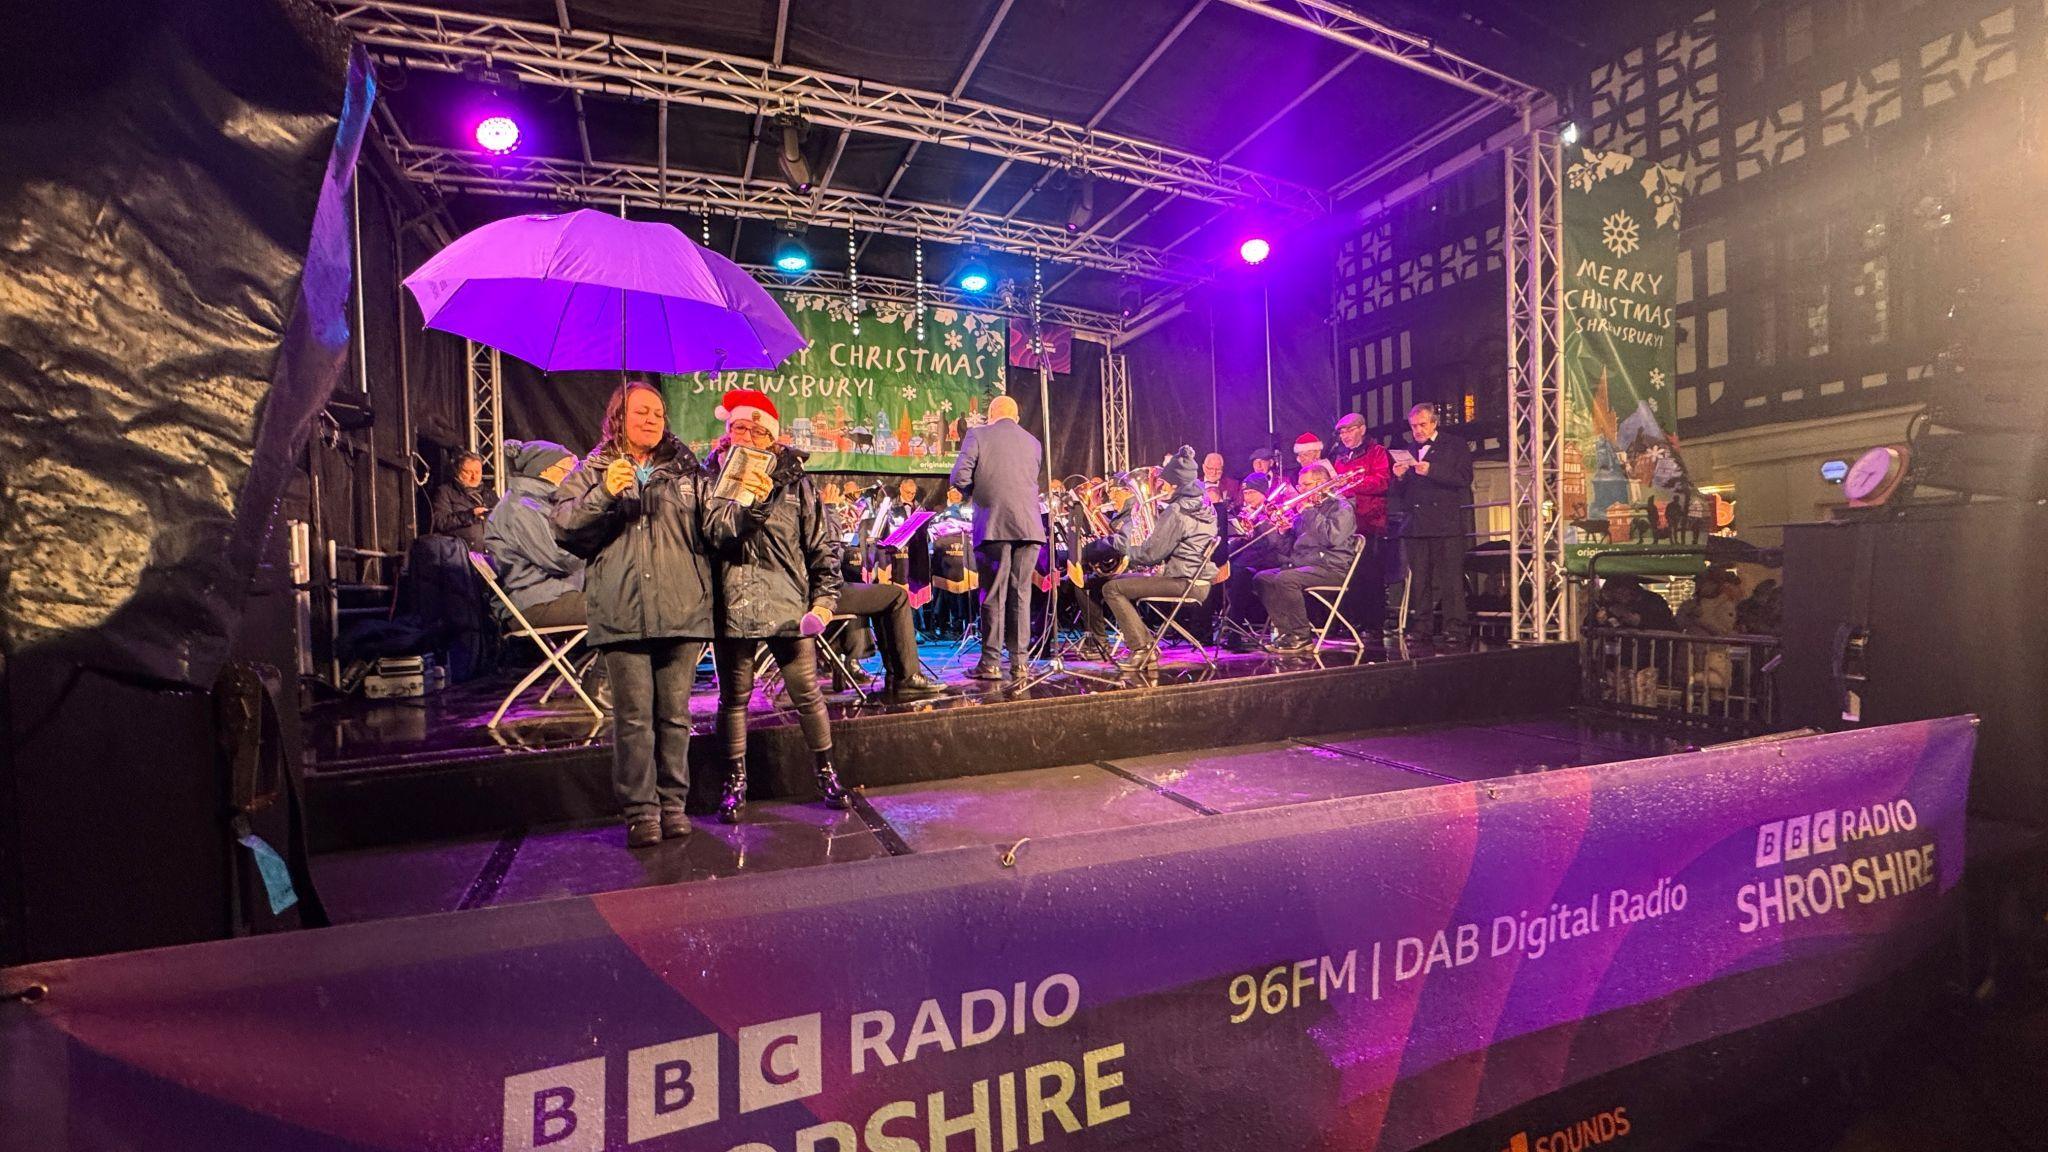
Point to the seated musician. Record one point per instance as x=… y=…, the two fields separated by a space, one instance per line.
x=1099 y=559
x=885 y=608
x=1257 y=545
x=1175 y=552
x=1223 y=491
x=1325 y=539
x=953 y=574
x=538 y=575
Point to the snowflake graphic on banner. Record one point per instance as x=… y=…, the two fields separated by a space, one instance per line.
x=1657 y=377
x=1618 y=233
x=953 y=341
x=909 y=393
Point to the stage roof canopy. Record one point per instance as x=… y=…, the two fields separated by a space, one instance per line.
x=1185 y=125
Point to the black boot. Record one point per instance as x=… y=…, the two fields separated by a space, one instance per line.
x=734 y=798
x=830 y=790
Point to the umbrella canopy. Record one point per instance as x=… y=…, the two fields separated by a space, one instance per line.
x=585 y=291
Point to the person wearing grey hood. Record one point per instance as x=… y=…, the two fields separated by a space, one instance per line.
x=1176 y=551
x=541 y=577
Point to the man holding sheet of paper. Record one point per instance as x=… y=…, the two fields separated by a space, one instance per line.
x=1433 y=483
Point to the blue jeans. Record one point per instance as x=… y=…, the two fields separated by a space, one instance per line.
x=651 y=682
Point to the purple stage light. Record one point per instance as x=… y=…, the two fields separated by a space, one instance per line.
x=1254 y=250
x=497 y=134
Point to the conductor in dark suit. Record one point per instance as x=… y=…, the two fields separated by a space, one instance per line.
x=998 y=470
x=1436 y=493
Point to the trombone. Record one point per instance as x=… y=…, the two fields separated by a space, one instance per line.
x=1283 y=513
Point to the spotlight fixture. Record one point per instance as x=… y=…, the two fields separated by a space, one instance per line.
x=1080 y=201
x=1570 y=134
x=1130 y=296
x=497 y=134
x=974 y=275
x=1254 y=250
x=790 y=253
x=789 y=151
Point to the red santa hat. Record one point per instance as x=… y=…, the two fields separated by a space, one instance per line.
x=752 y=404
x=1306 y=441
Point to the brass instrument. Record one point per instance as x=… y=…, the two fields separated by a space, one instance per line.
x=1276 y=515
x=1091 y=497
x=1142 y=513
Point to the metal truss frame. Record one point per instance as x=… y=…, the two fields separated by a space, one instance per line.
x=1116 y=414
x=883 y=288
x=486 y=406
x=649 y=186
x=1532 y=246
x=578 y=60
x=1334 y=21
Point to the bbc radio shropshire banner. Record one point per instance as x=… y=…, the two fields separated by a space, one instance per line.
x=1622 y=477
x=1359 y=974
x=879 y=401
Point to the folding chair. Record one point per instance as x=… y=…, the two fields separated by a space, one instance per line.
x=552 y=657
x=1397 y=612
x=1332 y=595
x=1194 y=591
x=765 y=672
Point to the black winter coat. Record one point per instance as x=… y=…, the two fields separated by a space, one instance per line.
x=649 y=577
x=1325 y=536
x=1181 y=538
x=777 y=558
x=452 y=512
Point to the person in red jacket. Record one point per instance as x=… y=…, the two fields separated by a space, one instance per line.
x=1367 y=473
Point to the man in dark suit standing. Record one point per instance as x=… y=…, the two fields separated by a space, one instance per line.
x=1436 y=491
x=998 y=470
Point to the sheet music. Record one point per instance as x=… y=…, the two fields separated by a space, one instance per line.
x=740 y=462
x=907 y=529
x=1402 y=456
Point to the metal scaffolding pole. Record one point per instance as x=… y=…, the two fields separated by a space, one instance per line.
x=1533 y=246
x=486 y=412
x=1116 y=414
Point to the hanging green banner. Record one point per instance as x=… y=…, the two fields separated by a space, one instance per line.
x=1623 y=481
x=870 y=399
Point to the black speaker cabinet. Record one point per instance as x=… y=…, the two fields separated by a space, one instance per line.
x=1929 y=611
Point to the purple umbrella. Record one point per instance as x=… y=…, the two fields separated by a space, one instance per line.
x=587 y=291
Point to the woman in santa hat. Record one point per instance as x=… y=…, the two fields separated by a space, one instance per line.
x=635 y=509
x=778 y=567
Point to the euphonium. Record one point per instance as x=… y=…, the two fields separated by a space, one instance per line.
x=1143 y=512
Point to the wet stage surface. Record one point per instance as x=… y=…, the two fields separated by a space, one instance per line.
x=967 y=811
x=355 y=734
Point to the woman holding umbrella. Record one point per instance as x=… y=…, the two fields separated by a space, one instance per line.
x=635 y=510
x=778 y=568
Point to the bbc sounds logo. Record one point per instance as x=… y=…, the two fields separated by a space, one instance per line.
x=1591 y=1132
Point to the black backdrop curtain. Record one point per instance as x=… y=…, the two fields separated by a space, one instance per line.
x=1200 y=379
x=1173 y=388
x=1076 y=410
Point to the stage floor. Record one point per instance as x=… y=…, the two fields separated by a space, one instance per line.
x=991 y=811
x=354 y=733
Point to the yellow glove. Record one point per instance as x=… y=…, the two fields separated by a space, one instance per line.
x=618 y=476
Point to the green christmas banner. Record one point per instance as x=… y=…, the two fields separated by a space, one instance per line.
x=1623 y=481
x=875 y=400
